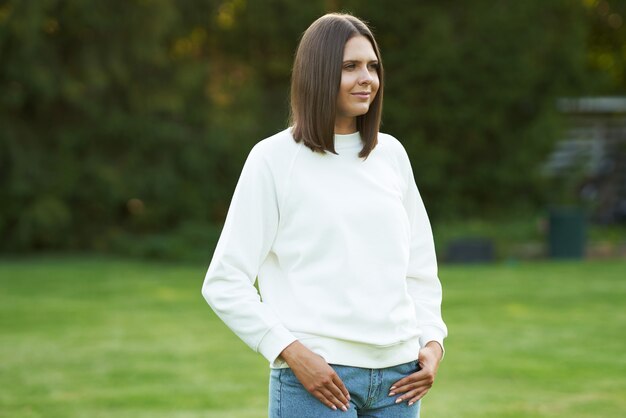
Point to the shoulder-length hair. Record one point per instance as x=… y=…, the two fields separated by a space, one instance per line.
x=315 y=81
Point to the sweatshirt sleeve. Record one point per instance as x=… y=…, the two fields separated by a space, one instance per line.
x=422 y=278
x=245 y=241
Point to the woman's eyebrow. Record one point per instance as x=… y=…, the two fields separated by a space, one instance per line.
x=358 y=60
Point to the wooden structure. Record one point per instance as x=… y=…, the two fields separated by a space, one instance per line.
x=593 y=155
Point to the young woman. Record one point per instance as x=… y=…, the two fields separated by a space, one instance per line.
x=328 y=216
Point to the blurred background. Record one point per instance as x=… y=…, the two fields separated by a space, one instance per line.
x=124 y=125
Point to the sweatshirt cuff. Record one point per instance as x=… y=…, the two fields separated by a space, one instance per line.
x=274 y=342
x=433 y=334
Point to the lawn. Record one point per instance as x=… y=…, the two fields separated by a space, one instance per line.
x=102 y=337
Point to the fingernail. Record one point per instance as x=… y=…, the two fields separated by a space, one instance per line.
x=392 y=393
x=392 y=388
x=410 y=403
x=334 y=408
x=344 y=409
x=398 y=400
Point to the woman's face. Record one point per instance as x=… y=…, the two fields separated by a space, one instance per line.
x=359 y=81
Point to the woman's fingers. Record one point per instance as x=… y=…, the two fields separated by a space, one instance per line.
x=422 y=377
x=413 y=396
x=317 y=376
x=342 y=388
x=422 y=380
x=412 y=387
x=418 y=396
x=319 y=395
x=332 y=391
x=329 y=394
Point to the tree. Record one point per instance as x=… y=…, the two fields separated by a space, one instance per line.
x=125 y=123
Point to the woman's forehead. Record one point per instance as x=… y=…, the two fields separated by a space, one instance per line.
x=359 y=48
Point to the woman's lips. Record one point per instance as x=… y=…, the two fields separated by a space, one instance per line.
x=362 y=95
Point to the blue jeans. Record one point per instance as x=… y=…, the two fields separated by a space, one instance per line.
x=368 y=392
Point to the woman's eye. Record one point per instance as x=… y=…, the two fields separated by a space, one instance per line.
x=374 y=66
x=349 y=66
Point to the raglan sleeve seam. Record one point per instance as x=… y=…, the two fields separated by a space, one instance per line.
x=248 y=234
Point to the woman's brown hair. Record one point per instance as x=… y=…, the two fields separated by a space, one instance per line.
x=315 y=81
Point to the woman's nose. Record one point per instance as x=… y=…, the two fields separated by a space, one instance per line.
x=366 y=77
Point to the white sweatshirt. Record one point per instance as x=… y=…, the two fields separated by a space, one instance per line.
x=343 y=251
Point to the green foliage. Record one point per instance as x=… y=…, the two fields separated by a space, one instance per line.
x=107 y=106
x=606 y=58
x=130 y=120
x=111 y=338
x=471 y=92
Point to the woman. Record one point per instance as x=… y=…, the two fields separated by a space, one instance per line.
x=327 y=214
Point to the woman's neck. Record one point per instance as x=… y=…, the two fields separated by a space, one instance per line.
x=345 y=126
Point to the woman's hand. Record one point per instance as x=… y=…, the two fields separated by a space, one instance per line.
x=316 y=376
x=413 y=387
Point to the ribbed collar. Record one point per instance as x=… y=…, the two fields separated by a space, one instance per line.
x=348 y=141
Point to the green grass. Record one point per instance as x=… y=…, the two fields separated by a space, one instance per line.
x=95 y=337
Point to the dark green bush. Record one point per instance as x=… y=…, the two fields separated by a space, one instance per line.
x=125 y=124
